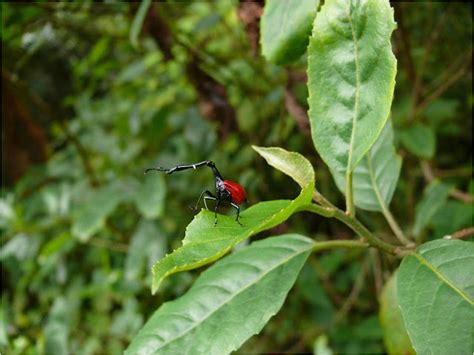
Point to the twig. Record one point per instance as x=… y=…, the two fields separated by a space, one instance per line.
x=104 y=243
x=460 y=234
x=297 y=112
x=339 y=244
x=46 y=109
x=401 y=33
x=345 y=308
x=418 y=84
x=444 y=86
x=328 y=286
x=377 y=267
x=363 y=232
x=456 y=172
x=447 y=73
x=429 y=176
x=48 y=180
x=332 y=211
x=350 y=301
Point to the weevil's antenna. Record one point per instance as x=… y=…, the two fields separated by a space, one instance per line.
x=208 y=163
x=156 y=169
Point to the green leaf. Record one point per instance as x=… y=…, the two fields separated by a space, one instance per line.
x=4 y=342
x=376 y=176
x=285 y=29
x=321 y=346
x=395 y=335
x=91 y=217
x=205 y=243
x=351 y=78
x=150 y=197
x=56 y=331
x=138 y=21
x=292 y=164
x=229 y=302
x=436 y=295
x=434 y=197
x=419 y=139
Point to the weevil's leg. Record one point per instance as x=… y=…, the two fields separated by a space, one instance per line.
x=208 y=193
x=237 y=207
x=212 y=198
x=218 y=201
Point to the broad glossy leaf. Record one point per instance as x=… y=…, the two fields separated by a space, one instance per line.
x=285 y=29
x=351 y=78
x=436 y=295
x=395 y=335
x=150 y=197
x=420 y=140
x=291 y=163
x=376 y=176
x=205 y=243
x=229 y=302
x=91 y=217
x=434 y=197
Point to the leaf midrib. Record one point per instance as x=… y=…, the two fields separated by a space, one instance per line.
x=356 y=103
x=202 y=320
x=443 y=278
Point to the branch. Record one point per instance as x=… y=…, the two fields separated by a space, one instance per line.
x=345 y=308
x=44 y=107
x=378 y=274
x=105 y=243
x=401 y=33
x=418 y=84
x=429 y=176
x=329 y=210
x=444 y=85
x=351 y=299
x=460 y=234
x=363 y=232
x=339 y=244
x=326 y=282
x=297 y=112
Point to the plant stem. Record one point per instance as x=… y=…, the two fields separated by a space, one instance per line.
x=463 y=233
x=322 y=211
x=386 y=212
x=336 y=244
x=363 y=232
x=349 y=195
x=395 y=227
x=331 y=211
x=321 y=199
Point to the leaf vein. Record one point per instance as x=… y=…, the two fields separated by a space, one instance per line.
x=443 y=278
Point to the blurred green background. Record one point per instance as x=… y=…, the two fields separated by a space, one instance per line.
x=86 y=107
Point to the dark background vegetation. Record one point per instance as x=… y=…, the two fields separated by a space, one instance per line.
x=84 y=110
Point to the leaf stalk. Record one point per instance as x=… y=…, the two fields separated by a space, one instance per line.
x=349 y=196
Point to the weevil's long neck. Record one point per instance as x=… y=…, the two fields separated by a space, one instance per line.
x=216 y=173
